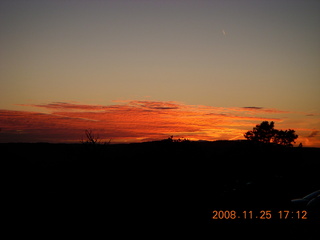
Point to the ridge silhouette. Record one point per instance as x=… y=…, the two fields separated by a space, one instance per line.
x=161 y=182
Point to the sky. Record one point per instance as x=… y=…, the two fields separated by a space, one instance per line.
x=143 y=70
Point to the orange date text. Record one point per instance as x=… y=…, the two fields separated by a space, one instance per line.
x=262 y=214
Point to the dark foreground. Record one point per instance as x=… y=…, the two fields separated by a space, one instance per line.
x=162 y=189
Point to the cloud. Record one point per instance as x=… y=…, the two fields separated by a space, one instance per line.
x=313 y=134
x=253 y=108
x=66 y=106
x=82 y=107
x=132 y=121
x=155 y=104
x=262 y=109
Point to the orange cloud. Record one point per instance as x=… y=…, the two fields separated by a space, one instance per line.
x=261 y=109
x=133 y=121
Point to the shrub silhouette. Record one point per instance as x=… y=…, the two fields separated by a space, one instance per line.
x=170 y=139
x=91 y=138
x=266 y=133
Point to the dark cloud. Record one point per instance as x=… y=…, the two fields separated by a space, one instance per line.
x=156 y=105
x=313 y=134
x=262 y=109
x=217 y=114
x=64 y=105
x=255 y=108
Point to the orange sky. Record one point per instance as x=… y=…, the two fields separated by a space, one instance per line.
x=137 y=121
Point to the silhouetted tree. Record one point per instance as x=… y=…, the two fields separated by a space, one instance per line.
x=286 y=137
x=263 y=132
x=91 y=138
x=266 y=133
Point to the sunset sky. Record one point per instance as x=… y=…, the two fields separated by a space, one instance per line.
x=144 y=70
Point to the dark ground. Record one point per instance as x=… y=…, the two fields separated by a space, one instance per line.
x=158 y=186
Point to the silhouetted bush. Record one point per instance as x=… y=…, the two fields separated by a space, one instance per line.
x=170 y=139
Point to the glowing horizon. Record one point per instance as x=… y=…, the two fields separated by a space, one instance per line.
x=144 y=120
